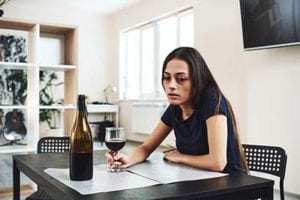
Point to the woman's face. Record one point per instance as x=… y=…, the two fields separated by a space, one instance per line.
x=176 y=82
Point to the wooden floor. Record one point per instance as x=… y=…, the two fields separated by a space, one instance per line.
x=6 y=194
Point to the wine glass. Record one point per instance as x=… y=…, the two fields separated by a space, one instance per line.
x=114 y=140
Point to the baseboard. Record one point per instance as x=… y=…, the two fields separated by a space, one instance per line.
x=289 y=194
x=293 y=195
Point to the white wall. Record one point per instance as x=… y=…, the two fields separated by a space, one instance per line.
x=94 y=68
x=261 y=85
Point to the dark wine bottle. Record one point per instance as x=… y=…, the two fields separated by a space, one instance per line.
x=81 y=144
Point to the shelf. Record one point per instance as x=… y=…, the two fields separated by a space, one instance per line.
x=15 y=24
x=56 y=29
x=12 y=107
x=57 y=67
x=12 y=65
x=66 y=106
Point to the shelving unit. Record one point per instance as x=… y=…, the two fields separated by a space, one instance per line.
x=67 y=65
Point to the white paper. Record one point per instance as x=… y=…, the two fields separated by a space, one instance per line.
x=167 y=172
x=153 y=172
x=103 y=181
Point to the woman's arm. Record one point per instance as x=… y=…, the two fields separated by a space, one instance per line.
x=141 y=153
x=216 y=159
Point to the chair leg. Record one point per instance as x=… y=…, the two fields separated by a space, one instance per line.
x=281 y=190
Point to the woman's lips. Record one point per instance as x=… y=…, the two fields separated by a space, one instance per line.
x=173 y=96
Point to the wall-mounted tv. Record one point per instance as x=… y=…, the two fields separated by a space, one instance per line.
x=270 y=23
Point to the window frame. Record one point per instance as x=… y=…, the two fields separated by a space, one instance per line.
x=123 y=64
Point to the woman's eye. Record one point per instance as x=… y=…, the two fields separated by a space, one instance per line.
x=181 y=79
x=166 y=78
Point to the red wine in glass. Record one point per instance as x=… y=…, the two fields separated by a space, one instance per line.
x=114 y=140
x=115 y=144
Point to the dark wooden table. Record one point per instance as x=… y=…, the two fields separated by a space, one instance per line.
x=232 y=187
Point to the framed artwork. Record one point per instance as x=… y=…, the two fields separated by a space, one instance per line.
x=13 y=86
x=13 y=48
x=12 y=126
x=13 y=82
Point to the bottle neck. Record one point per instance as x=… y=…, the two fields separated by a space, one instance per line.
x=81 y=106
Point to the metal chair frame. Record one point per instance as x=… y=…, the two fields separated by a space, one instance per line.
x=267 y=159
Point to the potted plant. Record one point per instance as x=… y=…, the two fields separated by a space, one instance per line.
x=16 y=82
x=51 y=117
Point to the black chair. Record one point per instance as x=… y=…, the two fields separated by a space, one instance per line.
x=49 y=145
x=267 y=159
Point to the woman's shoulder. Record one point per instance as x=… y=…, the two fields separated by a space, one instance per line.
x=173 y=108
x=170 y=114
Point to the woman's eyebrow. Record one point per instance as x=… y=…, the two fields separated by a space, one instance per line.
x=182 y=73
x=178 y=73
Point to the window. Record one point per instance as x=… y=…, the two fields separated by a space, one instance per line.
x=143 y=50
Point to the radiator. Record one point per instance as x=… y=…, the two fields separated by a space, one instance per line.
x=145 y=116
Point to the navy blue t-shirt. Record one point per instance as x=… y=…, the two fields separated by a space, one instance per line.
x=191 y=134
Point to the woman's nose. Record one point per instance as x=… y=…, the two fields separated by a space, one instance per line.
x=172 y=84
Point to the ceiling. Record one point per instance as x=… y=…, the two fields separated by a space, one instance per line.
x=92 y=6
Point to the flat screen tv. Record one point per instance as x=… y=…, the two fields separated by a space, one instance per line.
x=270 y=23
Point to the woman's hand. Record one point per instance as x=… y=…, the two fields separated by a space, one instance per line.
x=172 y=156
x=119 y=160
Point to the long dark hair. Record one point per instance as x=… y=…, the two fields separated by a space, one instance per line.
x=201 y=79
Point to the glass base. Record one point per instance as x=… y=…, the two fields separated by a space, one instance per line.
x=114 y=169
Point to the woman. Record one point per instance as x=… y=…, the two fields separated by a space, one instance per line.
x=202 y=118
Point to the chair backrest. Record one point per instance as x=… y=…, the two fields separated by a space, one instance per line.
x=53 y=145
x=267 y=159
